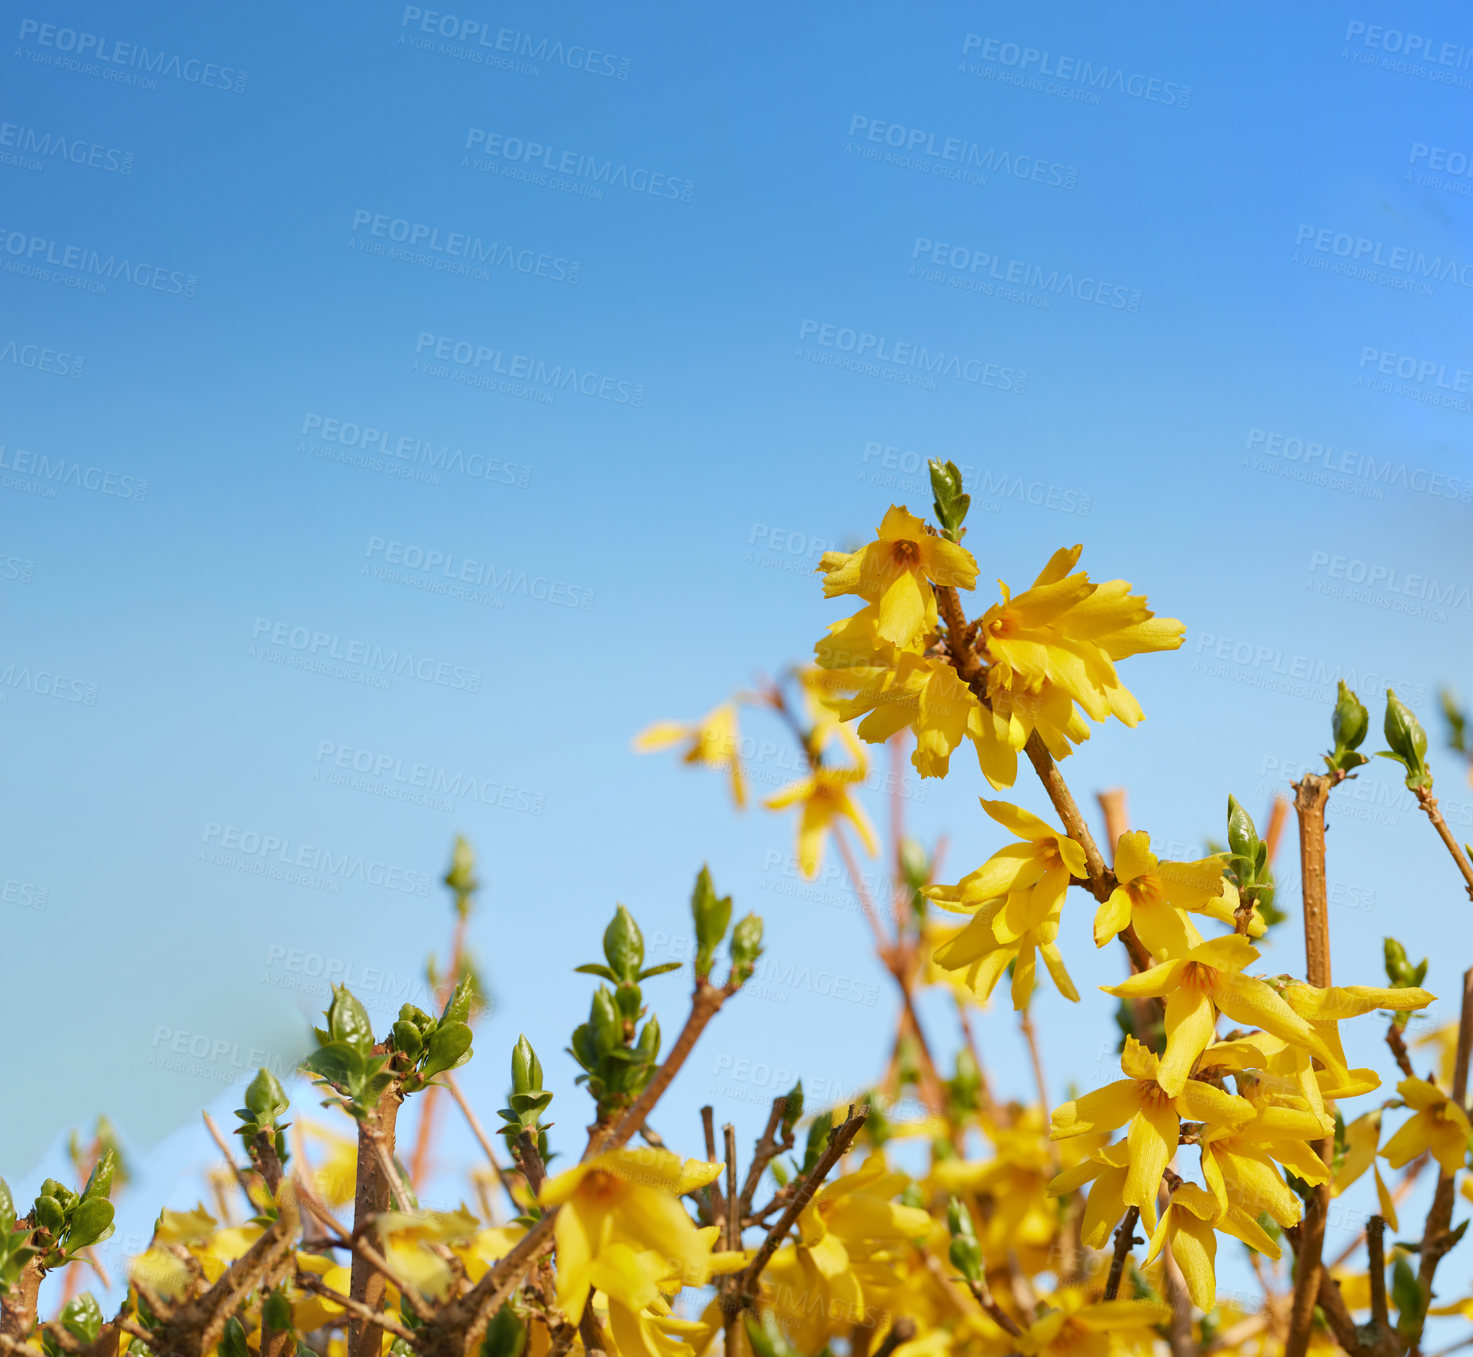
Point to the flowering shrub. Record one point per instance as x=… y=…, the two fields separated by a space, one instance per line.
x=1006 y=1227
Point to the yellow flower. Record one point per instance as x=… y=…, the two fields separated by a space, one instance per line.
x=1437 y=1124
x=1079 y=1326
x=1323 y=1008
x=924 y=693
x=1154 y=1114
x=1189 y=1224
x=618 y=1210
x=896 y=572
x=406 y=1236
x=1238 y=1162
x=1202 y=983
x=824 y=796
x=1362 y=1139
x=714 y=741
x=1015 y=899
x=1068 y=631
x=1152 y=895
x=1107 y=1171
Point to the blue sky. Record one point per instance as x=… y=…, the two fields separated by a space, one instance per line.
x=1207 y=315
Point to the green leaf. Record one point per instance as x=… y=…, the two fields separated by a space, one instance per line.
x=233 y=1340
x=598 y=969
x=1242 y=833
x=337 y=1062
x=458 y=1006
x=657 y=970
x=7 y=1209
x=91 y=1218
x=347 y=1020
x=603 y=1018
x=506 y=1335
x=793 y=1108
x=449 y=1049
x=818 y=1140
x=624 y=945
x=276 y=1312
x=82 y=1317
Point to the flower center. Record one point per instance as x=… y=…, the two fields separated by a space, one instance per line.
x=906 y=553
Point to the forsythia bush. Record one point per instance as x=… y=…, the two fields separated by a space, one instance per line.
x=1002 y=1228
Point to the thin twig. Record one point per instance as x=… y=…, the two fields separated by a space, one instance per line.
x=230 y=1160
x=310 y=1281
x=839 y=1141
x=1428 y=802
x=1124 y=1239
x=902 y=1330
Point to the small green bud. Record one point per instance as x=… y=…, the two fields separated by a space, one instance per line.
x=624 y=946
x=49 y=1215
x=1242 y=833
x=347 y=1020
x=603 y=1017
x=746 y=947
x=7 y=1209
x=818 y=1140
x=526 y=1069
x=449 y=1048
x=950 y=503
x=264 y=1096
x=712 y=916
x=965 y=1253
x=1408 y=743
x=233 y=1340
x=407 y=1039
x=458 y=1005
x=793 y=1111
x=461 y=878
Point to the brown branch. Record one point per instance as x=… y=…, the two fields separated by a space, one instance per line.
x=731 y=1235
x=1376 y=1264
x=1436 y=1236
x=18 y=1306
x=1124 y=1239
x=839 y=1141
x=767 y=1149
x=310 y=1281
x=1112 y=807
x=370 y=1198
x=1428 y=803
x=982 y=1294
x=591 y=1331
x=235 y=1168
x=529 y=1159
x=1310 y=797
x=705 y=1004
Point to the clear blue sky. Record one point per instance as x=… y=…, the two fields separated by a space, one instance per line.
x=1206 y=312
